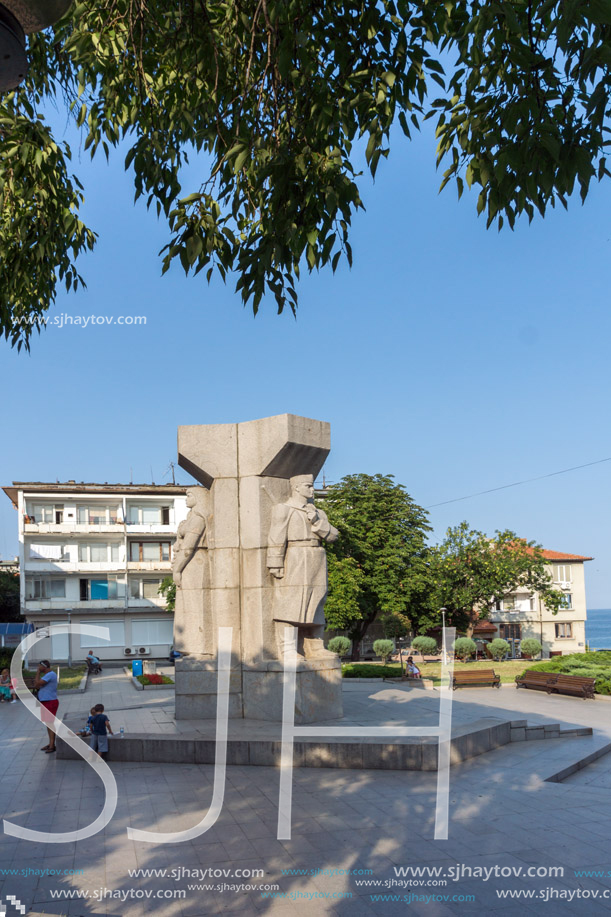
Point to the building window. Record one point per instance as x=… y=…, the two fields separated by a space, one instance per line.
x=562 y=573
x=98 y=515
x=117 y=635
x=149 y=514
x=141 y=551
x=102 y=589
x=152 y=633
x=145 y=589
x=45 y=513
x=564 y=631
x=98 y=553
x=516 y=603
x=510 y=631
x=567 y=600
x=54 y=552
x=39 y=588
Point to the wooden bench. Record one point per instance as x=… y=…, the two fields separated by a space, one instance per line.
x=578 y=685
x=474 y=678
x=537 y=681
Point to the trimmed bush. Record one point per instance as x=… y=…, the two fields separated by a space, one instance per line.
x=383 y=649
x=464 y=648
x=530 y=646
x=426 y=646
x=587 y=665
x=340 y=645
x=499 y=648
x=362 y=670
x=6 y=656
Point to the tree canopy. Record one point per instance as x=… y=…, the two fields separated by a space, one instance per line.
x=9 y=596
x=380 y=549
x=273 y=96
x=470 y=573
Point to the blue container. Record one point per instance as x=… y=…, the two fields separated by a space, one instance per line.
x=137 y=667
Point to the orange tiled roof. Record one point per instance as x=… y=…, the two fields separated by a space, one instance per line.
x=562 y=555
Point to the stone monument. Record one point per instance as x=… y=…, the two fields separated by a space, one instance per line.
x=250 y=556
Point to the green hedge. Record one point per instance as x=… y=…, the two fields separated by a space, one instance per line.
x=362 y=670
x=588 y=665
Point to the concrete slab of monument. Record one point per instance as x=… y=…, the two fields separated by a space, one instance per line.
x=258 y=743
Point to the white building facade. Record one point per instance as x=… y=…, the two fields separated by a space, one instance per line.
x=524 y=614
x=97 y=554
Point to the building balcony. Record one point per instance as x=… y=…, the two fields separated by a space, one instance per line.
x=156 y=528
x=149 y=566
x=32 y=605
x=40 y=567
x=154 y=604
x=71 y=528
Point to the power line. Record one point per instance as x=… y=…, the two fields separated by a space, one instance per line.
x=517 y=483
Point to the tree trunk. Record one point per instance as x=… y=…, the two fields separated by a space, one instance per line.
x=357 y=633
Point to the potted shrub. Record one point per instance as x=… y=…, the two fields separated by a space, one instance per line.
x=530 y=647
x=464 y=648
x=340 y=645
x=426 y=646
x=499 y=648
x=383 y=649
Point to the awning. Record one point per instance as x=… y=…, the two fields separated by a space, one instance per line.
x=16 y=629
x=485 y=627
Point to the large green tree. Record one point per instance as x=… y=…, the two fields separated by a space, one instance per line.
x=470 y=572
x=380 y=549
x=9 y=596
x=275 y=95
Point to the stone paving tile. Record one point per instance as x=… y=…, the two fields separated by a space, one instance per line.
x=380 y=819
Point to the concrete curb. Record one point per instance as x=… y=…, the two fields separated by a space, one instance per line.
x=80 y=690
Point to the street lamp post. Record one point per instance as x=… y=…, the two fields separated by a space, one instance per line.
x=19 y=18
x=69 y=613
x=444 y=654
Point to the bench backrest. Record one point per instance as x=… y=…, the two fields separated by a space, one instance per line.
x=480 y=673
x=530 y=675
x=576 y=680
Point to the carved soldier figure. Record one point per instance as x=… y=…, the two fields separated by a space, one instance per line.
x=193 y=629
x=297 y=560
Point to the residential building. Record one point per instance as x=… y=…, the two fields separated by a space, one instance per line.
x=524 y=614
x=96 y=554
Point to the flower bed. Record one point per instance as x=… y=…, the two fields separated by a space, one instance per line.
x=154 y=680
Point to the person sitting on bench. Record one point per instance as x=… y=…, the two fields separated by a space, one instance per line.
x=93 y=663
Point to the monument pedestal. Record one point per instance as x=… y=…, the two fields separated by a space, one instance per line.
x=256 y=691
x=318 y=694
x=196 y=679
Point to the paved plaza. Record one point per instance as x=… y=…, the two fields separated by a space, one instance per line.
x=349 y=827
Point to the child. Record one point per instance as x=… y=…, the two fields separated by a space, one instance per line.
x=411 y=668
x=6 y=689
x=100 y=726
x=87 y=730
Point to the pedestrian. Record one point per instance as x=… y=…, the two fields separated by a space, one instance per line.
x=6 y=688
x=46 y=682
x=100 y=727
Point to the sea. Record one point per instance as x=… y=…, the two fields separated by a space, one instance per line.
x=598 y=628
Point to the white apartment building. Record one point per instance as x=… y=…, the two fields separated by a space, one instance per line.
x=524 y=614
x=96 y=554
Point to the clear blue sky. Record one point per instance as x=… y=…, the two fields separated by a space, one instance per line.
x=455 y=358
